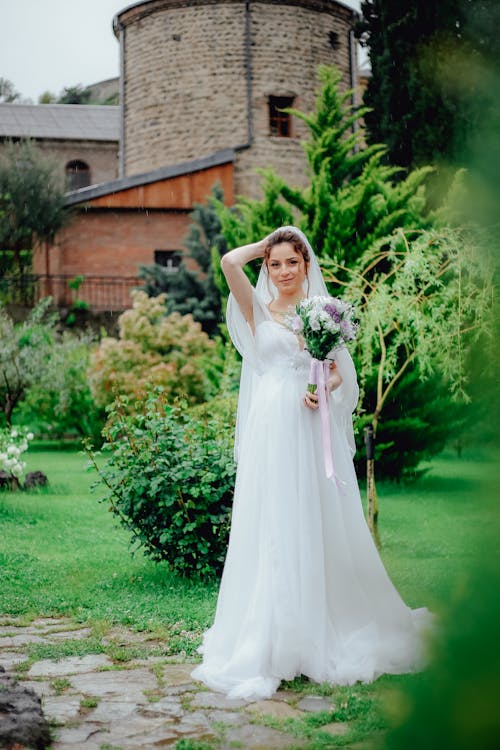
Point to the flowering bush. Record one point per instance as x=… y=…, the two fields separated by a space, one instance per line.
x=153 y=349
x=13 y=443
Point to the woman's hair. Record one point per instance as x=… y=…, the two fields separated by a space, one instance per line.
x=285 y=235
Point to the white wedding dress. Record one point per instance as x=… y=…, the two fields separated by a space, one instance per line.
x=303 y=589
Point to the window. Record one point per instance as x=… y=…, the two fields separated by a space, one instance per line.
x=280 y=123
x=169 y=259
x=77 y=175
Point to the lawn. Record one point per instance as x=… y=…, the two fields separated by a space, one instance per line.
x=62 y=553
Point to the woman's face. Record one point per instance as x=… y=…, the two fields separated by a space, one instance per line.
x=287 y=269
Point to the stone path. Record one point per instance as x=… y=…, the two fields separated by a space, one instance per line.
x=96 y=703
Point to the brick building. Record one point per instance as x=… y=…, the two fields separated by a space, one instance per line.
x=202 y=87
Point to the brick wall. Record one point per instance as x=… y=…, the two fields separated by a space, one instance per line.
x=106 y=243
x=185 y=88
x=113 y=243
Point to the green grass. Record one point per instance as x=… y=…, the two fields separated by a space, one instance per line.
x=62 y=553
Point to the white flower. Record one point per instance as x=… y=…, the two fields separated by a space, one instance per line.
x=23 y=446
x=314 y=321
x=29 y=436
x=13 y=450
x=14 y=433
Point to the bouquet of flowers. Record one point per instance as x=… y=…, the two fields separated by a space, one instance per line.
x=325 y=324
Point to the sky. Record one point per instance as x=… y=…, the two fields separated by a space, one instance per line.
x=47 y=45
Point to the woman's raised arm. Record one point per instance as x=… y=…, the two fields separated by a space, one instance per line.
x=232 y=266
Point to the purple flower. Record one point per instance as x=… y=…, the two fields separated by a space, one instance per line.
x=348 y=329
x=333 y=312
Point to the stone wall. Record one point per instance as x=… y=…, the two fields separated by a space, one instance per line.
x=291 y=41
x=101 y=156
x=184 y=85
x=185 y=79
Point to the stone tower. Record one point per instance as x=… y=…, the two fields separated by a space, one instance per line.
x=199 y=76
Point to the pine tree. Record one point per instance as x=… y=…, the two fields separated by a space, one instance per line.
x=352 y=198
x=353 y=203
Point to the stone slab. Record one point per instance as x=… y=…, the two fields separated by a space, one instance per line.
x=47 y=622
x=9 y=659
x=81 y=736
x=108 y=711
x=277 y=709
x=23 y=639
x=128 y=685
x=169 y=707
x=61 y=708
x=69 y=665
x=70 y=635
x=194 y=723
x=260 y=738
x=315 y=703
x=41 y=688
x=136 y=729
x=121 y=636
x=335 y=728
x=232 y=718
x=216 y=700
x=177 y=674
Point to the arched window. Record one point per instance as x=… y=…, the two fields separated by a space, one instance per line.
x=77 y=174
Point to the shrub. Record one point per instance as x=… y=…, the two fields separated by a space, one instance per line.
x=153 y=349
x=170 y=479
x=43 y=382
x=58 y=403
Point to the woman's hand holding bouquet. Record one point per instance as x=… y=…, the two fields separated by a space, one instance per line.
x=325 y=324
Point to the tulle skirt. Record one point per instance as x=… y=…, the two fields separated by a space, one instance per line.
x=303 y=589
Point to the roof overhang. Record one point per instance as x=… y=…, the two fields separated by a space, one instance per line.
x=176 y=187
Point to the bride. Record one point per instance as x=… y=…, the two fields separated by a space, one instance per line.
x=303 y=589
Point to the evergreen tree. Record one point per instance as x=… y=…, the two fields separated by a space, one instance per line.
x=431 y=83
x=191 y=290
x=352 y=198
x=353 y=204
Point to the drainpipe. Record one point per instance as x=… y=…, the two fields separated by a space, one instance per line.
x=119 y=30
x=353 y=76
x=248 y=79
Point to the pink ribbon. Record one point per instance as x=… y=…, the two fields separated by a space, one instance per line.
x=318 y=376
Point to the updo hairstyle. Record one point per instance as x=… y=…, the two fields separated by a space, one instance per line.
x=285 y=235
